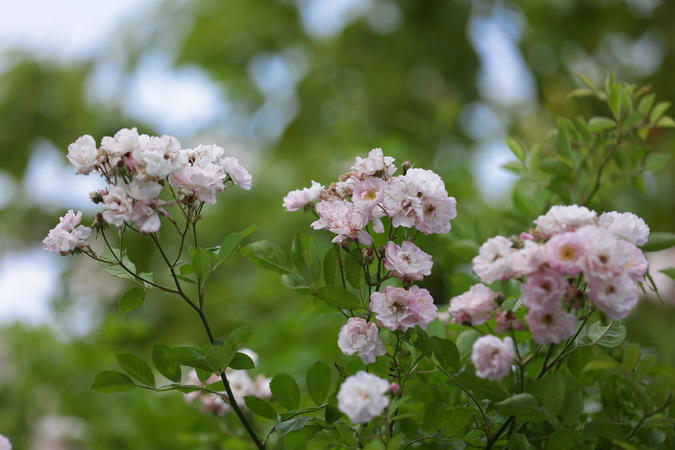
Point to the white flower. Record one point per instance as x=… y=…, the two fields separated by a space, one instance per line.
x=493 y=357
x=562 y=218
x=4 y=443
x=200 y=182
x=144 y=189
x=241 y=385
x=625 y=225
x=299 y=198
x=474 y=306
x=399 y=309
x=67 y=235
x=118 y=206
x=344 y=219
x=83 y=154
x=361 y=397
x=158 y=155
x=145 y=217
x=237 y=173
x=407 y=262
x=360 y=337
x=615 y=296
x=376 y=164
x=606 y=257
x=493 y=260
x=124 y=142
x=526 y=260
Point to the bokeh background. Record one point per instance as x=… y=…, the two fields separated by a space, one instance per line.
x=295 y=89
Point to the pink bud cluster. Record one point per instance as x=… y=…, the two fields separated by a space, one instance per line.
x=241 y=383
x=138 y=167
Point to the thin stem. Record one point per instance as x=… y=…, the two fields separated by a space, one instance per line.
x=647 y=415
x=499 y=432
x=548 y=355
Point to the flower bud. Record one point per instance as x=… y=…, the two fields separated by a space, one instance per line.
x=395 y=388
x=96 y=197
x=406 y=166
x=368 y=255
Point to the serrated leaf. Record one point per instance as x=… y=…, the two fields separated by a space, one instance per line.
x=136 y=368
x=446 y=353
x=610 y=336
x=111 y=381
x=338 y=297
x=319 y=381
x=269 y=255
x=131 y=300
x=285 y=391
x=659 y=241
x=260 y=407
x=599 y=124
x=166 y=367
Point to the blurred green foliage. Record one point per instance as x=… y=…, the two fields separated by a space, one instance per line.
x=403 y=90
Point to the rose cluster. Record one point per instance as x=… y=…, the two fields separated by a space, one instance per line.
x=571 y=255
x=137 y=168
x=240 y=382
x=358 y=204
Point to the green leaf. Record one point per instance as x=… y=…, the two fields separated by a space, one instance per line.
x=523 y=406
x=604 y=427
x=305 y=261
x=552 y=395
x=563 y=440
x=658 y=111
x=230 y=244
x=518 y=441
x=188 y=356
x=269 y=255
x=332 y=414
x=433 y=416
x=516 y=148
x=166 y=367
x=513 y=166
x=465 y=342
x=292 y=425
x=260 y=407
x=446 y=353
x=670 y=271
x=111 y=381
x=564 y=145
x=656 y=161
x=319 y=381
x=220 y=354
x=115 y=269
x=338 y=297
x=666 y=122
x=331 y=268
x=659 y=241
x=615 y=100
x=610 y=336
x=286 y=391
x=136 y=368
x=599 y=124
x=354 y=269
x=646 y=103
x=201 y=263
x=241 y=361
x=631 y=355
x=131 y=300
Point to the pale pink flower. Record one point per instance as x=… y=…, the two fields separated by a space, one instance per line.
x=606 y=256
x=4 y=443
x=525 y=260
x=344 y=188
x=368 y=193
x=144 y=189
x=200 y=182
x=361 y=397
x=209 y=403
x=67 y=235
x=625 y=225
x=637 y=264
x=493 y=357
x=505 y=320
x=437 y=209
x=399 y=309
x=474 y=306
x=126 y=141
x=118 y=206
x=241 y=385
x=261 y=387
x=158 y=156
x=550 y=326
x=615 y=296
x=145 y=217
x=563 y=218
x=401 y=203
x=543 y=289
x=376 y=164
x=565 y=252
x=237 y=173
x=407 y=262
x=492 y=262
x=344 y=219
x=299 y=198
x=83 y=154
x=362 y=338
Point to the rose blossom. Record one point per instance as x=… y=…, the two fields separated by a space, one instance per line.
x=401 y=203
x=552 y=325
x=565 y=252
x=67 y=235
x=144 y=189
x=124 y=142
x=505 y=320
x=359 y=337
x=400 y=309
x=158 y=155
x=200 y=182
x=407 y=262
x=615 y=296
x=344 y=219
x=437 y=208
x=361 y=397
x=376 y=164
x=83 y=154
x=238 y=173
x=562 y=218
x=637 y=264
x=473 y=307
x=493 y=357
x=299 y=198
x=4 y=443
x=145 y=217
x=606 y=256
x=367 y=194
x=543 y=289
x=118 y=206
x=492 y=262
x=625 y=225
x=526 y=260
